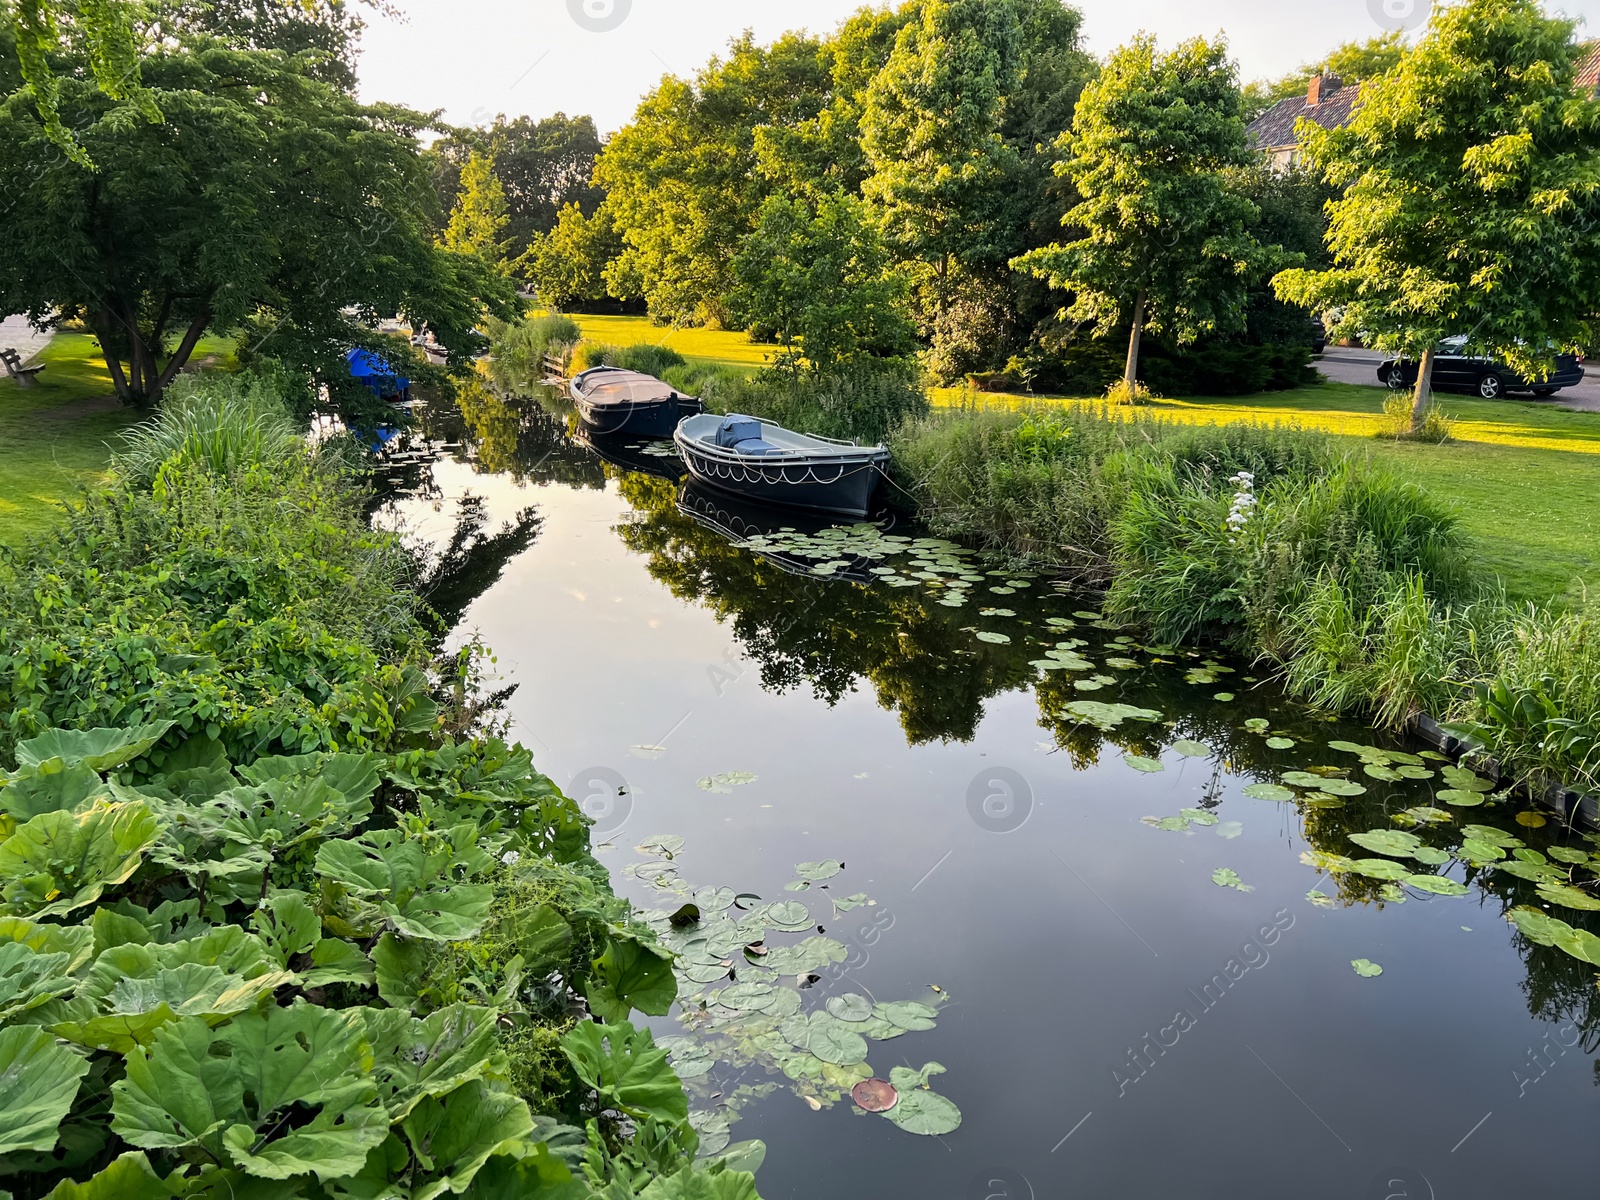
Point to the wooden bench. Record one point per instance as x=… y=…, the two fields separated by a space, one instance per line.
x=14 y=368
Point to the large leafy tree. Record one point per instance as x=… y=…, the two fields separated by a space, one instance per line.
x=1164 y=237
x=543 y=166
x=1471 y=202
x=818 y=278
x=567 y=265
x=478 y=220
x=930 y=128
x=265 y=194
x=682 y=181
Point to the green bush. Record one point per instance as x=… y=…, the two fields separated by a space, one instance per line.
x=236 y=833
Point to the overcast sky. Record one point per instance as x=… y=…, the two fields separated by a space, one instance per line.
x=476 y=58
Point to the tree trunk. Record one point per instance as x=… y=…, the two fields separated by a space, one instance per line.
x=145 y=379
x=1424 y=392
x=1130 y=374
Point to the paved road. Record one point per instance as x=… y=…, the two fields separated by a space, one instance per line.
x=16 y=334
x=1361 y=366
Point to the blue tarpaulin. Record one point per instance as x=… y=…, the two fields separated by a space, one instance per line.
x=377 y=374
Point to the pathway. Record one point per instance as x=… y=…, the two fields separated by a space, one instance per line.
x=1349 y=365
x=16 y=334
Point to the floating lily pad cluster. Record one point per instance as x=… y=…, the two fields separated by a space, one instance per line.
x=758 y=1014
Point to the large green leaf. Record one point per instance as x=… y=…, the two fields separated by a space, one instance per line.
x=386 y=864
x=457 y=1133
x=698 y=1183
x=39 y=1080
x=75 y=941
x=919 y=1110
x=827 y=1037
x=60 y=861
x=52 y=786
x=127 y=1178
x=97 y=749
x=536 y=1175
x=29 y=978
x=233 y=1090
x=625 y=1067
x=414 y=1059
x=630 y=975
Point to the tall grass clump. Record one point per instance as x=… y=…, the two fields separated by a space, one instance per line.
x=862 y=401
x=222 y=424
x=517 y=355
x=1537 y=705
x=1398 y=422
x=642 y=357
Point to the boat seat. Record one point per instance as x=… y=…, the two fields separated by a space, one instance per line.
x=736 y=429
x=754 y=447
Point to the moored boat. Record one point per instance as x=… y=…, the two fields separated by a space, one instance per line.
x=761 y=460
x=614 y=400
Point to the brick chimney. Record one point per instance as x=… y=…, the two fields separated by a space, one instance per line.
x=1323 y=86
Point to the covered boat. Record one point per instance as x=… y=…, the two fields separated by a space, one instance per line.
x=760 y=460
x=614 y=400
x=374 y=371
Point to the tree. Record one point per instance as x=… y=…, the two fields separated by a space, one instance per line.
x=39 y=31
x=479 y=217
x=819 y=278
x=266 y=194
x=1471 y=196
x=542 y=165
x=567 y=265
x=682 y=180
x=1165 y=242
x=930 y=128
x=1353 y=62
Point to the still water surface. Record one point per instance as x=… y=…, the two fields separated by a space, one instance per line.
x=1112 y=1020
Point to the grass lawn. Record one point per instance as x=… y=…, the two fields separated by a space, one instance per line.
x=719 y=346
x=1524 y=476
x=56 y=437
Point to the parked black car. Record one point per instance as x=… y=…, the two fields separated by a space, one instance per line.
x=1319 y=336
x=1455 y=370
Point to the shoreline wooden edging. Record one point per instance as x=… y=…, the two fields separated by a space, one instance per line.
x=1572 y=806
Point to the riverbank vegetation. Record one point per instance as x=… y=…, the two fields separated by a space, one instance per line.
x=280 y=909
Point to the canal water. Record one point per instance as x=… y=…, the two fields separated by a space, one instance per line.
x=961 y=820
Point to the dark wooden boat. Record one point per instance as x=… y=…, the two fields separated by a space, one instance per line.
x=614 y=400
x=762 y=461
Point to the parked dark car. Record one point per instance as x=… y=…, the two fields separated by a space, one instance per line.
x=1454 y=370
x=1319 y=336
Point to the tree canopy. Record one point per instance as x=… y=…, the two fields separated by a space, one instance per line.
x=265 y=195
x=1470 y=202
x=1165 y=240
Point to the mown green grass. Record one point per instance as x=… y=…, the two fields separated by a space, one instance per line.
x=721 y=347
x=1523 y=477
x=57 y=437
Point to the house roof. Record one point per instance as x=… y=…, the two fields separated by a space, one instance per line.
x=1589 y=67
x=1274 y=128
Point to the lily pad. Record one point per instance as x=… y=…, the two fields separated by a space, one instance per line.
x=1366 y=968
x=816 y=871
x=875 y=1095
x=825 y=1036
x=1381 y=868
x=850 y=1007
x=1139 y=763
x=1530 y=820
x=1192 y=749
x=1268 y=791
x=1439 y=885
x=1320 y=898
x=1109 y=716
x=1388 y=841
x=996 y=639
x=1280 y=743
x=1258 y=725
x=1224 y=697
x=910 y=1015
x=1229 y=878
x=788 y=915
x=665 y=845
x=1466 y=780
x=1568 y=897
x=725 y=782
x=1460 y=798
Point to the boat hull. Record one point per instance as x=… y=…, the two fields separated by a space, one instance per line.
x=844 y=486
x=655 y=419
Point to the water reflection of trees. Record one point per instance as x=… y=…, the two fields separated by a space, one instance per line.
x=922 y=663
x=522 y=440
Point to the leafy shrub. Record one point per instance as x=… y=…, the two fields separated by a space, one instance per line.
x=236 y=834
x=517 y=355
x=1122 y=392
